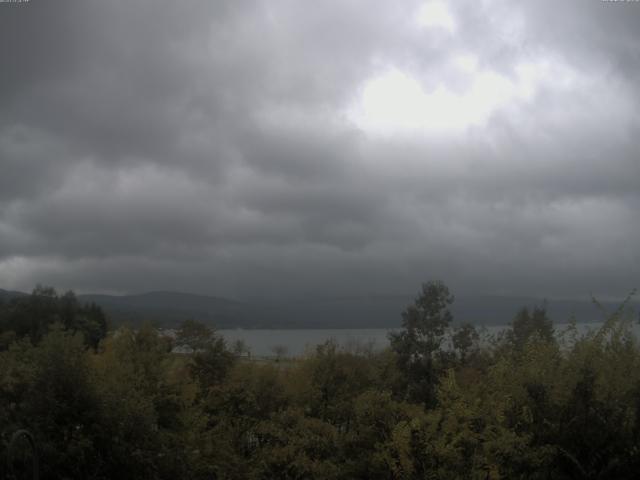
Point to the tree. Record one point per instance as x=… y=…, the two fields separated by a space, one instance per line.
x=525 y=325
x=194 y=336
x=210 y=359
x=464 y=338
x=335 y=378
x=418 y=345
x=280 y=351
x=47 y=389
x=240 y=348
x=32 y=316
x=150 y=425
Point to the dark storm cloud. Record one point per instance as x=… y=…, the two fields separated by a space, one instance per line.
x=212 y=147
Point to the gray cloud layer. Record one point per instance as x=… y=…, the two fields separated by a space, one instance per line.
x=213 y=147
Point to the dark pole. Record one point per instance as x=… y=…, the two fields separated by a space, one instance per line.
x=10 y=452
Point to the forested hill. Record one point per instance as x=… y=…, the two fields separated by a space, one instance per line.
x=6 y=295
x=439 y=402
x=169 y=308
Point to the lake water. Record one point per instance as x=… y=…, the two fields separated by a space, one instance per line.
x=295 y=343
x=298 y=342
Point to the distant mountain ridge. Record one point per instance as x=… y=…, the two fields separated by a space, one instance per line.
x=169 y=308
x=9 y=294
x=166 y=308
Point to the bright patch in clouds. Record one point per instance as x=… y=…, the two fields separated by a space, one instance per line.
x=466 y=62
x=436 y=15
x=396 y=102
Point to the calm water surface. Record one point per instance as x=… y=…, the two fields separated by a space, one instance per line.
x=298 y=342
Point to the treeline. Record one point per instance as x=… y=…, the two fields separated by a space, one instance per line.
x=441 y=403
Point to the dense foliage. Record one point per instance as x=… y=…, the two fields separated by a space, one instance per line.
x=440 y=403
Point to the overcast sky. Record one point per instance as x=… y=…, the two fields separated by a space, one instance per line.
x=342 y=147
